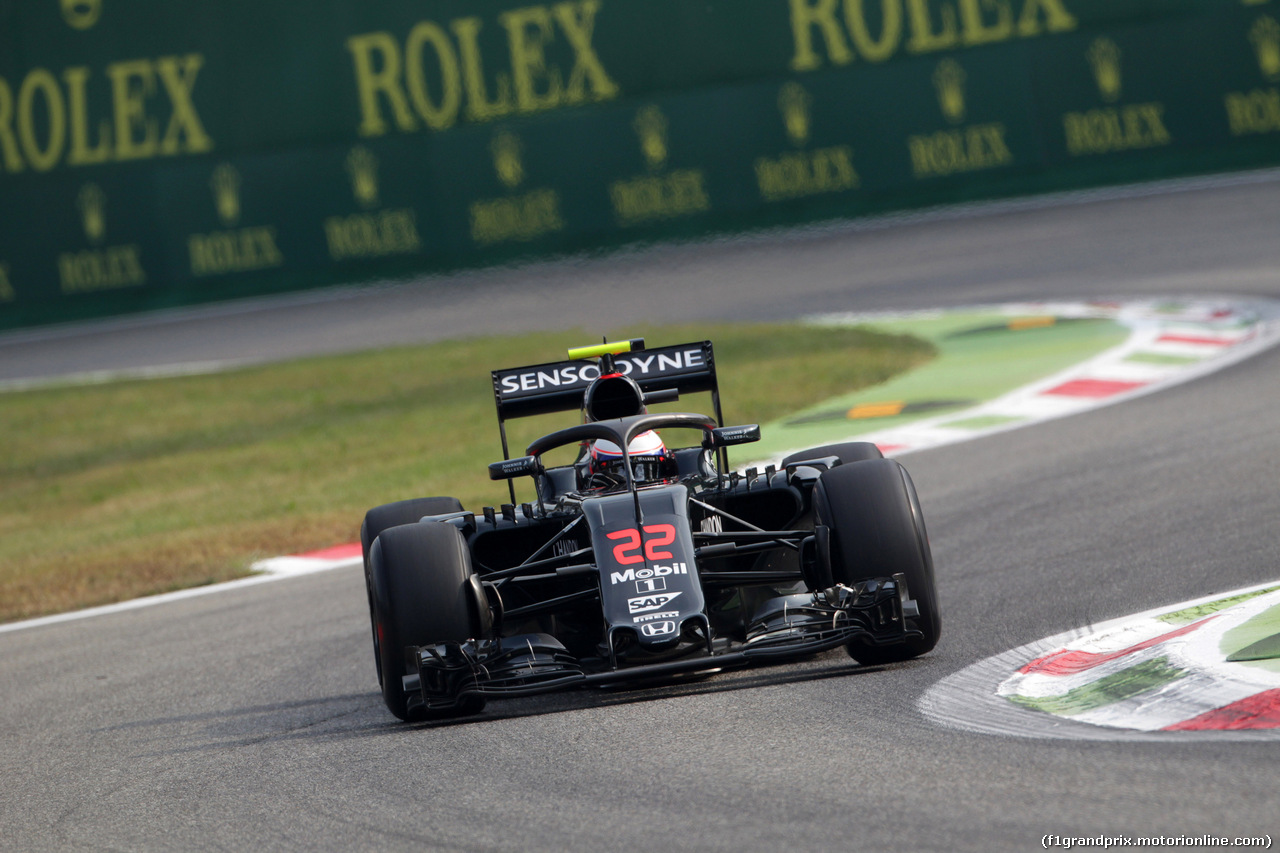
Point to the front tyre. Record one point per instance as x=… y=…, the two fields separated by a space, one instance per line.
x=395 y=514
x=847 y=452
x=877 y=530
x=421 y=594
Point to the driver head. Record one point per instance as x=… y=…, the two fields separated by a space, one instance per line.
x=651 y=462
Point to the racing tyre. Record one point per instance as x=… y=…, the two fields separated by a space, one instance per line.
x=849 y=451
x=877 y=530
x=395 y=514
x=422 y=594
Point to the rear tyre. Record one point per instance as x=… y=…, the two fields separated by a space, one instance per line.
x=421 y=594
x=395 y=514
x=849 y=451
x=877 y=530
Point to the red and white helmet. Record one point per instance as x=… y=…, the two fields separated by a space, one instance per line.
x=651 y=462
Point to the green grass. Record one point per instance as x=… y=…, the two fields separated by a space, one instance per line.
x=108 y=492
x=980 y=357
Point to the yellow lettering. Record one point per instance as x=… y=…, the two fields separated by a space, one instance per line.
x=528 y=62
x=976 y=30
x=446 y=113
x=178 y=74
x=578 y=27
x=531 y=85
x=516 y=218
x=1146 y=123
x=371 y=82
x=1253 y=112
x=271 y=256
x=82 y=153
x=924 y=39
x=244 y=250
x=1079 y=134
x=969 y=149
x=106 y=269
x=1056 y=18
x=871 y=49
x=41 y=159
x=677 y=193
x=800 y=173
x=479 y=107
x=372 y=235
x=130 y=108
x=998 y=151
x=821 y=14
x=1106 y=130
x=44 y=116
x=8 y=145
x=933 y=25
x=202 y=250
x=6 y=288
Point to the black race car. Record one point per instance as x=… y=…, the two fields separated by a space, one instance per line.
x=636 y=561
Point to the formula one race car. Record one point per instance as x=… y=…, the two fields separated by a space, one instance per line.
x=635 y=561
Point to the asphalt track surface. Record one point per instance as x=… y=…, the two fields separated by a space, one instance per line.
x=251 y=718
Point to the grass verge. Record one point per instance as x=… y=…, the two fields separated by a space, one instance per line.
x=113 y=491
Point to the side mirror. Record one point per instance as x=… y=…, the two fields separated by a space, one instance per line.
x=726 y=436
x=509 y=469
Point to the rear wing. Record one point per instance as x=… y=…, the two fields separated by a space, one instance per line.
x=559 y=386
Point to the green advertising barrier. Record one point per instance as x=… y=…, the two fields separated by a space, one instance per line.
x=166 y=153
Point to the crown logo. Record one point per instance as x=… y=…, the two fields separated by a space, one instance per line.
x=1265 y=36
x=81 y=14
x=794 y=103
x=506 y=148
x=362 y=166
x=1104 y=56
x=651 y=127
x=225 y=184
x=949 y=79
x=92 y=202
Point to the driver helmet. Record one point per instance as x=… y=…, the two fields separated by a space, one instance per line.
x=651 y=462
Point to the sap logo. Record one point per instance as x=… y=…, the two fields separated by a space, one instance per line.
x=649 y=572
x=650 y=602
x=658 y=629
x=651 y=585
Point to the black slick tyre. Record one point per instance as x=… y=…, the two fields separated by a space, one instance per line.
x=421 y=594
x=395 y=514
x=877 y=530
x=847 y=452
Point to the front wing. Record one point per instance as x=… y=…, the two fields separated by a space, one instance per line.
x=790 y=626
